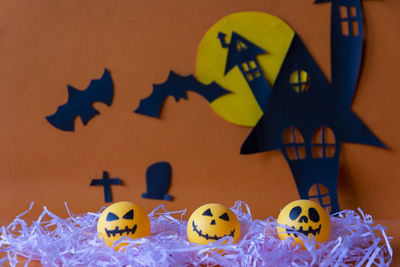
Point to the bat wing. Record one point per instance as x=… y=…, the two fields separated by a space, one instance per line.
x=63 y=119
x=101 y=90
x=79 y=103
x=177 y=86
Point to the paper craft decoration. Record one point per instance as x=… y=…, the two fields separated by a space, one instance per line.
x=177 y=86
x=243 y=54
x=303 y=115
x=106 y=182
x=80 y=102
x=308 y=118
x=347 y=43
x=246 y=72
x=158 y=180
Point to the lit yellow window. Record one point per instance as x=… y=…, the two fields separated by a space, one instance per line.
x=300 y=81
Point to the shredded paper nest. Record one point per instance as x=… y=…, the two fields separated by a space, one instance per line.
x=354 y=240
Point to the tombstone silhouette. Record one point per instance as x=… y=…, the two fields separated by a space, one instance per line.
x=158 y=180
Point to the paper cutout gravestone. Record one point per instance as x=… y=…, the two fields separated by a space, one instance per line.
x=308 y=118
x=177 y=86
x=80 y=102
x=158 y=180
x=106 y=182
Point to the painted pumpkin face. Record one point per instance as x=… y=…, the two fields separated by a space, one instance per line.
x=122 y=219
x=306 y=217
x=211 y=222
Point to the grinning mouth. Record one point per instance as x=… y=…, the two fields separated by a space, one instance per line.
x=294 y=231
x=127 y=230
x=207 y=237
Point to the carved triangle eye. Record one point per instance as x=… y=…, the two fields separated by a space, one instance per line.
x=224 y=217
x=207 y=213
x=111 y=217
x=128 y=215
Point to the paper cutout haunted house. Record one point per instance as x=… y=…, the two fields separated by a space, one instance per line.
x=306 y=116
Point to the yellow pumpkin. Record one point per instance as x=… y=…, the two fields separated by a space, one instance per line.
x=123 y=219
x=305 y=217
x=211 y=222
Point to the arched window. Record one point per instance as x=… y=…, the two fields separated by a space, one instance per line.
x=320 y=194
x=293 y=143
x=323 y=143
x=300 y=81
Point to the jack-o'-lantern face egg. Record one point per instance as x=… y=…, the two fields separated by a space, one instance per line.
x=306 y=217
x=122 y=219
x=211 y=222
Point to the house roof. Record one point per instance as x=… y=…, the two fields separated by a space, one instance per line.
x=321 y=104
x=241 y=50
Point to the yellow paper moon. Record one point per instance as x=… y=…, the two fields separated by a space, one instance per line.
x=264 y=30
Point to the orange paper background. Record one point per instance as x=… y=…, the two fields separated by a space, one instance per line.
x=45 y=45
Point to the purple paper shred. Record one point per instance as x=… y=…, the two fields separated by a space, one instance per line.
x=354 y=240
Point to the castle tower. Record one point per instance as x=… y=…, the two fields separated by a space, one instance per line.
x=346 y=46
x=243 y=54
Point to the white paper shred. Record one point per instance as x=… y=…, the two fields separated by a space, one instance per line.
x=73 y=241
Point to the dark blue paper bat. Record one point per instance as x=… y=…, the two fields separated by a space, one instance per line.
x=80 y=102
x=177 y=86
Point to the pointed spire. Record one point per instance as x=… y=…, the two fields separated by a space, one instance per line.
x=239 y=50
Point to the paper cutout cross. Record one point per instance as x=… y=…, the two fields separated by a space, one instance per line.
x=106 y=182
